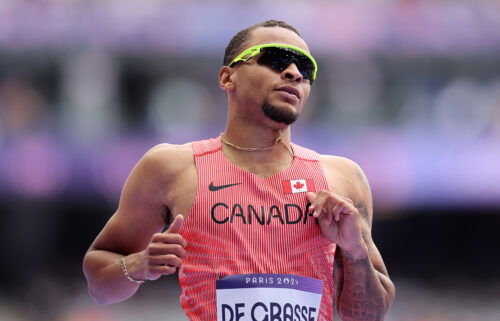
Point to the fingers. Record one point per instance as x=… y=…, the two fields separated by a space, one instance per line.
x=159 y=270
x=337 y=209
x=321 y=204
x=311 y=196
x=316 y=204
x=330 y=205
x=171 y=235
x=163 y=259
x=169 y=259
x=176 y=225
x=169 y=239
x=166 y=250
x=160 y=249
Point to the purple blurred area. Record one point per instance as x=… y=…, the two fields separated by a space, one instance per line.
x=408 y=89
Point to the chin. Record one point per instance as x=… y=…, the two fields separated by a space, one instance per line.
x=286 y=115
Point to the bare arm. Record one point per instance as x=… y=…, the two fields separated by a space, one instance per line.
x=364 y=290
x=133 y=232
x=362 y=285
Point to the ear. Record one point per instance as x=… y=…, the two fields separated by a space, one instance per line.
x=225 y=79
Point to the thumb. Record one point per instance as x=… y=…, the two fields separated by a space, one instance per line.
x=176 y=225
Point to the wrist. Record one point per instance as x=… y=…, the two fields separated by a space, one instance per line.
x=355 y=253
x=129 y=269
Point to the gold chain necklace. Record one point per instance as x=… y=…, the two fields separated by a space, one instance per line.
x=278 y=140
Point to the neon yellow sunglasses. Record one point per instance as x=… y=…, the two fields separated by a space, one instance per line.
x=279 y=57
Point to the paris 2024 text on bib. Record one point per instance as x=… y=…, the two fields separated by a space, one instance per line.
x=268 y=297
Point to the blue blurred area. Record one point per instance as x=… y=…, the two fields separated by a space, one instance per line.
x=408 y=89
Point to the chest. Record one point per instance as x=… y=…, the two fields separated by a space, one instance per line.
x=226 y=194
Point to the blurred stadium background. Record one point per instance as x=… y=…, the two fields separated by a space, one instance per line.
x=408 y=89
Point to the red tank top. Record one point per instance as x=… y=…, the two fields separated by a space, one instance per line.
x=242 y=224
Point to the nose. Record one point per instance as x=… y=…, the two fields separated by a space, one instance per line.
x=292 y=73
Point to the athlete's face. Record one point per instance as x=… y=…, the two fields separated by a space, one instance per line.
x=279 y=95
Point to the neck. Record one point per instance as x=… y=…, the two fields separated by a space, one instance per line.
x=256 y=138
x=258 y=147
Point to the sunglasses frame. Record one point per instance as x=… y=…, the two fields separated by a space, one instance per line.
x=255 y=50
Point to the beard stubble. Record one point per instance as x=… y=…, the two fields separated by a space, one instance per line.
x=279 y=115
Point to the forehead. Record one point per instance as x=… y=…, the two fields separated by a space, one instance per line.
x=281 y=35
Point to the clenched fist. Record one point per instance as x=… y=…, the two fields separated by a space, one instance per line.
x=162 y=256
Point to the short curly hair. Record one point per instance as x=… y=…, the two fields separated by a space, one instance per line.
x=234 y=46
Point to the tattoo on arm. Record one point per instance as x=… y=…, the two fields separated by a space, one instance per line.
x=363 y=210
x=362 y=296
x=361 y=299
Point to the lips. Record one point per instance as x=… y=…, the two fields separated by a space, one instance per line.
x=289 y=89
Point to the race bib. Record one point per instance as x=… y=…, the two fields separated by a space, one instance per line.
x=268 y=297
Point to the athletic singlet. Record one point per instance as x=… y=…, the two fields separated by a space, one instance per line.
x=242 y=224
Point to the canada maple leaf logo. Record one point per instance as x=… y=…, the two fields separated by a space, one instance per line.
x=294 y=186
x=298 y=185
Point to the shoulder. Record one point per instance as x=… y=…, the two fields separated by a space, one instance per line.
x=170 y=153
x=165 y=160
x=343 y=168
x=346 y=177
x=338 y=163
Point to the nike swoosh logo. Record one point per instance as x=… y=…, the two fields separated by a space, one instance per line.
x=213 y=188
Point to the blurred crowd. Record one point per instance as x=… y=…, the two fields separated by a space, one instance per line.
x=415 y=124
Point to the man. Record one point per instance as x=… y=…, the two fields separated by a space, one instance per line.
x=256 y=210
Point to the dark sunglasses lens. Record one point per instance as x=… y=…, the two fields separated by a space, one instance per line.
x=276 y=58
x=306 y=67
x=280 y=58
